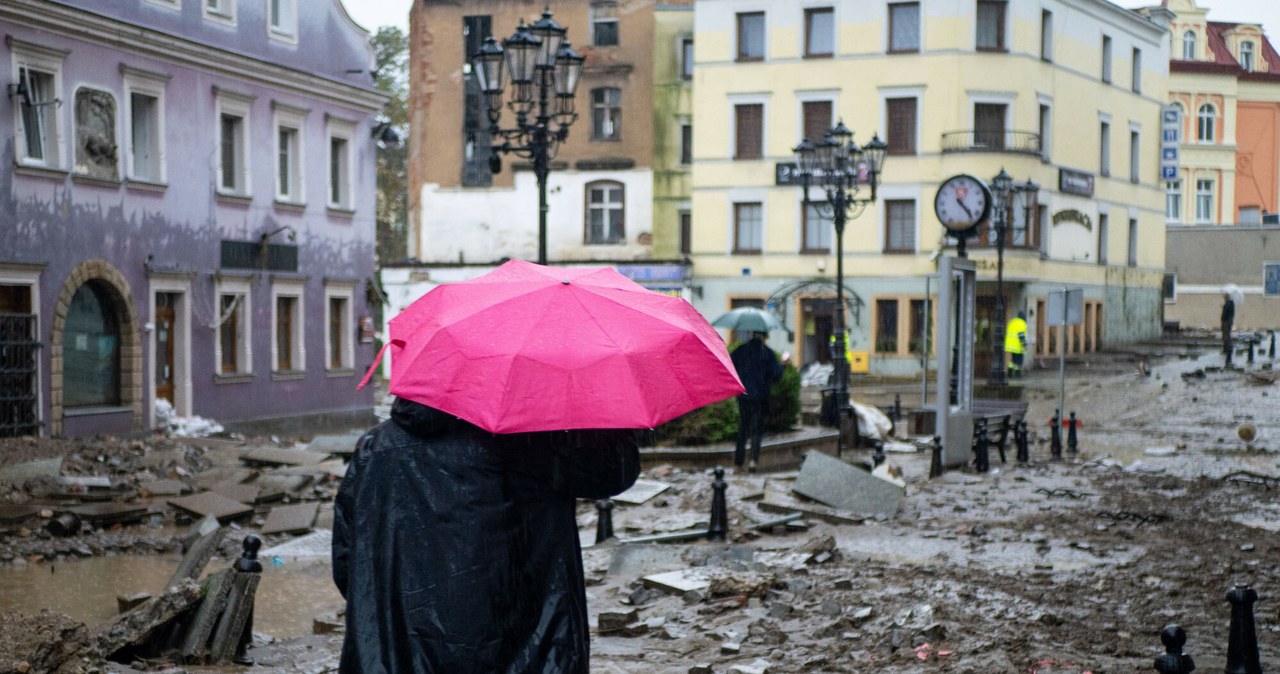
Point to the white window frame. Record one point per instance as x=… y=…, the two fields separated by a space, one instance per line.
x=901 y=193
x=345 y=291
x=1108 y=46
x=751 y=99
x=888 y=93
x=1135 y=152
x=1044 y=118
x=1136 y=68
x=610 y=187
x=1213 y=123
x=1190 y=46
x=296 y=290
x=1046 y=35
x=888 y=26
x=831 y=96
x=46 y=60
x=237 y=105
x=167 y=4
x=1208 y=196
x=1104 y=145
x=221 y=11
x=1252 y=55
x=1174 y=298
x=153 y=85
x=1173 y=197
x=244 y=341
x=1132 y=253
x=345 y=130
x=287 y=29
x=288 y=117
x=170 y=283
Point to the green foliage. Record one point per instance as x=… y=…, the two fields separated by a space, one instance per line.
x=784 y=402
x=391 y=77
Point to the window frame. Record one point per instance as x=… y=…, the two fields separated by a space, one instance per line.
x=588 y=207
x=1173 y=201
x=243 y=316
x=685 y=151
x=1002 y=33
x=1135 y=155
x=1190 y=46
x=1106 y=58
x=823 y=228
x=912 y=227
x=76 y=133
x=1136 y=74
x=1251 y=53
x=743 y=54
x=337 y=129
x=107 y=302
x=1169 y=288
x=295 y=289
x=1046 y=36
x=239 y=106
x=738 y=207
x=1132 y=257
x=738 y=154
x=809 y=14
x=153 y=85
x=1045 y=121
x=804 y=117
x=684 y=217
x=1205 y=196
x=1207 y=133
x=295 y=119
x=600 y=14
x=610 y=110
x=285 y=30
x=1104 y=148
x=1104 y=223
x=346 y=328
x=48 y=61
x=890 y=45
x=225 y=12
x=877 y=322
x=686 y=57
x=890 y=137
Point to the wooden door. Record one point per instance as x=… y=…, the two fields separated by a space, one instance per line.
x=165 y=322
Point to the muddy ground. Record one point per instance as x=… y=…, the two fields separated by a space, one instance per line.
x=1051 y=566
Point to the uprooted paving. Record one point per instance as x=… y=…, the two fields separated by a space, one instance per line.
x=1065 y=566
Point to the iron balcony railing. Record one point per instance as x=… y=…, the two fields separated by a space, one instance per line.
x=1022 y=142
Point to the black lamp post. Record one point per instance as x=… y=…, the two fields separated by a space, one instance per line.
x=544 y=73
x=1005 y=196
x=842 y=170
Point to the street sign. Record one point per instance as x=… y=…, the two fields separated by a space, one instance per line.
x=1169 y=154
x=1169 y=172
x=1072 y=313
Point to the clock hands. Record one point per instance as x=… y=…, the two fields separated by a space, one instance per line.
x=966 y=208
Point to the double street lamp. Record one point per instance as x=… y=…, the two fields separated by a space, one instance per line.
x=544 y=72
x=849 y=175
x=1006 y=196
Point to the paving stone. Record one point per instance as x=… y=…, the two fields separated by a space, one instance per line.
x=283 y=457
x=833 y=482
x=680 y=582
x=290 y=518
x=815 y=511
x=315 y=544
x=210 y=504
x=636 y=560
x=343 y=445
x=273 y=487
x=244 y=493
x=162 y=458
x=17 y=513
x=21 y=472
x=319 y=471
x=641 y=491
x=612 y=621
x=86 y=481
x=223 y=474
x=106 y=514
x=164 y=488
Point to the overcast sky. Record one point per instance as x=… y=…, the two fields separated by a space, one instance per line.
x=374 y=13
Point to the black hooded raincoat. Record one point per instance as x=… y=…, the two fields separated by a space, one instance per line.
x=457 y=549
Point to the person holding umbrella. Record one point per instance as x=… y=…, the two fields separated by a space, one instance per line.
x=455 y=539
x=758 y=368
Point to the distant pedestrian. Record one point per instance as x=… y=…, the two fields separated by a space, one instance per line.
x=1015 y=343
x=758 y=368
x=1228 y=318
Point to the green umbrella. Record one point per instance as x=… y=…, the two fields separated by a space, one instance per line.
x=749 y=319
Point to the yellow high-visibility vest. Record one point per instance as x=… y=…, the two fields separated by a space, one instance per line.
x=1014 y=336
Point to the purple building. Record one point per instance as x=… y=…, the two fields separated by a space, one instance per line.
x=186 y=213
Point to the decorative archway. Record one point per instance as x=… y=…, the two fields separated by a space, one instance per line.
x=124 y=311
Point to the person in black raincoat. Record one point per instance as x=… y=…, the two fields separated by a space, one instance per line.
x=457 y=549
x=758 y=368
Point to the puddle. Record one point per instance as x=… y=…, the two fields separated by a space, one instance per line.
x=288 y=597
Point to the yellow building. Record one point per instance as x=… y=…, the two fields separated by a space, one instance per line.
x=1067 y=93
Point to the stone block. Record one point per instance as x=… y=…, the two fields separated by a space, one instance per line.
x=833 y=482
x=641 y=491
x=291 y=518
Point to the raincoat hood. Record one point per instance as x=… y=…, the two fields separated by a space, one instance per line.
x=423 y=421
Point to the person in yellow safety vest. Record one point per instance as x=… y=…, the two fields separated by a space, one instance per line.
x=848 y=353
x=1015 y=343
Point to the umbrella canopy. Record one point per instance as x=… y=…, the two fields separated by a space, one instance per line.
x=534 y=348
x=1234 y=291
x=750 y=319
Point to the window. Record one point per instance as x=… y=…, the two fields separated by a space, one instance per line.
x=990 y=25
x=606 y=114
x=605 y=210
x=339 y=351
x=1046 y=128
x=37 y=73
x=900 y=226
x=919 y=327
x=283 y=19
x=819 y=31
x=1169 y=289
x=604 y=24
x=1204 y=202
x=97 y=154
x=1206 y=123
x=904 y=27
x=220 y=10
x=1106 y=58
x=1246 y=56
x=748 y=228
x=232 y=350
x=686 y=144
x=1137 y=71
x=145 y=95
x=686 y=232
x=1134 y=155
x=686 y=58
x=748 y=120
x=1173 y=201
x=1133 y=242
x=288 y=353
x=751 y=36
x=289 y=160
x=233 y=148
x=816 y=116
x=1046 y=35
x=901 y=120
x=1104 y=149
x=818 y=231
x=887 y=325
x=339 y=134
x=988 y=125
x=1189 y=46
x=91 y=348
x=1249 y=215
x=1102 y=238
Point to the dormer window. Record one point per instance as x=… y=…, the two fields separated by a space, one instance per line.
x=1189 y=46
x=1246 y=56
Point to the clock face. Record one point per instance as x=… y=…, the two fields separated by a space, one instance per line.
x=963 y=201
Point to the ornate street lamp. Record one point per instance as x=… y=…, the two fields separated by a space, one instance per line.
x=1006 y=196
x=544 y=72
x=849 y=175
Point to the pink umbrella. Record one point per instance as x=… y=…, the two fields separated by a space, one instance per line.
x=533 y=348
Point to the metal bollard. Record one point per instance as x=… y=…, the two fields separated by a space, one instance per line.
x=1055 y=435
x=1174 y=661
x=1023 y=440
x=982 y=460
x=935 y=466
x=897 y=408
x=1273 y=345
x=66 y=524
x=1073 y=443
x=719 y=528
x=877 y=456
x=604 y=520
x=1242 y=647
x=248 y=563
x=1253 y=341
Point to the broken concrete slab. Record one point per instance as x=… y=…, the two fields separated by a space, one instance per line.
x=163 y=488
x=641 y=491
x=196 y=642
x=199 y=552
x=291 y=518
x=210 y=504
x=22 y=472
x=315 y=544
x=679 y=582
x=126 y=602
x=318 y=471
x=241 y=492
x=282 y=457
x=223 y=474
x=833 y=482
x=273 y=486
x=106 y=514
x=816 y=511
x=10 y=514
x=85 y=482
x=637 y=560
x=342 y=445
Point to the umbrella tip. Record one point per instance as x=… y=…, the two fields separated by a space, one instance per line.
x=565 y=281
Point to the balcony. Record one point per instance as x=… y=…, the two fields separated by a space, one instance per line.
x=1018 y=142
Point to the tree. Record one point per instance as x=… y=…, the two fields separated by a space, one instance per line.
x=391 y=76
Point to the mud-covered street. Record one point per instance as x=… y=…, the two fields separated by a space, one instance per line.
x=1051 y=566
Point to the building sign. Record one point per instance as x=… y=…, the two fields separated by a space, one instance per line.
x=1075 y=182
x=253 y=255
x=1072 y=215
x=1170 y=138
x=1271 y=279
x=653 y=274
x=788 y=173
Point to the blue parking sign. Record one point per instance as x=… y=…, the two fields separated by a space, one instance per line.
x=1168 y=172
